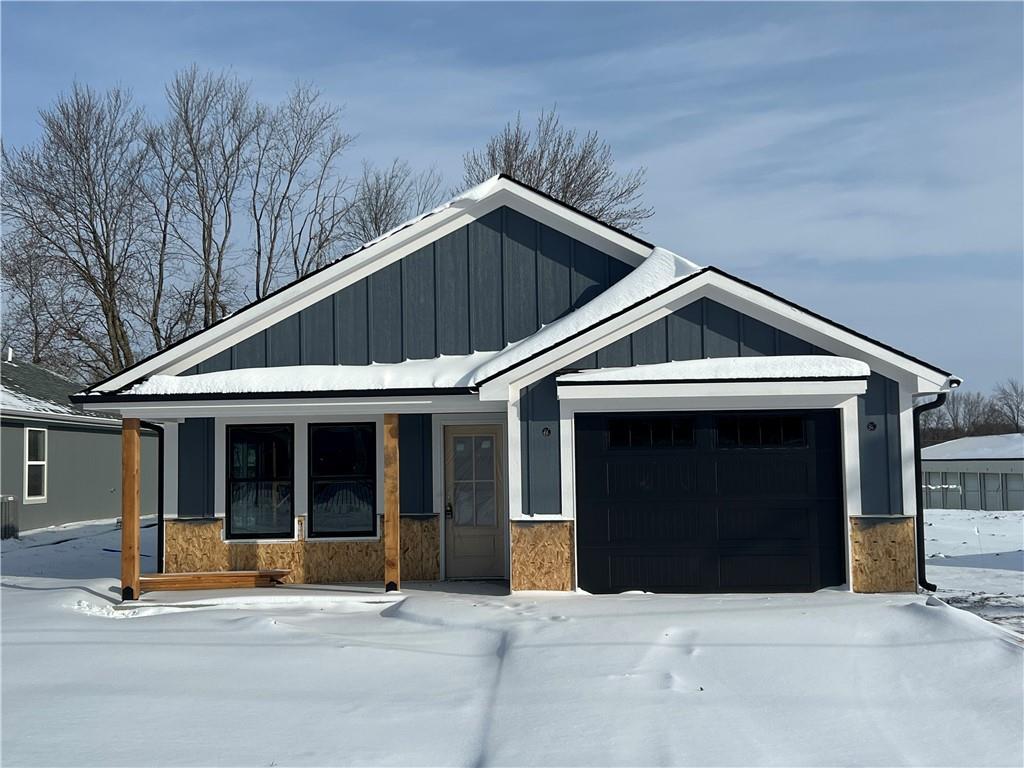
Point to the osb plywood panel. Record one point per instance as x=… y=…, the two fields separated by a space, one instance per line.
x=883 y=554
x=198 y=545
x=421 y=549
x=542 y=556
x=194 y=545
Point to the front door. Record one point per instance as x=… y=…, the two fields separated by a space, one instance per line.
x=474 y=502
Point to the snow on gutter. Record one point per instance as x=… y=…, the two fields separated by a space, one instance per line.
x=445 y=372
x=780 y=367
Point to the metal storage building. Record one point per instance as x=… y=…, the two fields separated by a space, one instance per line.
x=975 y=473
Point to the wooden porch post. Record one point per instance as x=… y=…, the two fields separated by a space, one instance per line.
x=392 y=543
x=130 y=509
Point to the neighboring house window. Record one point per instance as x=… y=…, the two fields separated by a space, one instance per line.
x=260 y=487
x=35 y=465
x=342 y=480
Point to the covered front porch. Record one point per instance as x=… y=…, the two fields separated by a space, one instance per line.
x=395 y=522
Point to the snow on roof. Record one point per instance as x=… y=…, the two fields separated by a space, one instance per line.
x=658 y=271
x=732 y=369
x=19 y=401
x=471 y=195
x=26 y=388
x=443 y=372
x=1009 y=446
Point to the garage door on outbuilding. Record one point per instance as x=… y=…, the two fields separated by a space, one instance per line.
x=709 y=501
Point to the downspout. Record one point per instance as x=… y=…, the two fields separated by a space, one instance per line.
x=938 y=402
x=159 y=429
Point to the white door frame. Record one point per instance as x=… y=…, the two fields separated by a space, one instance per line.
x=438 y=422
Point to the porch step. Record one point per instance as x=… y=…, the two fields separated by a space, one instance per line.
x=153 y=582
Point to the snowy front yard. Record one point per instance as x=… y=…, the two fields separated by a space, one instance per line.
x=326 y=676
x=976 y=559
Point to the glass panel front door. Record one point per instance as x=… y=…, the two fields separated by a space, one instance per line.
x=474 y=502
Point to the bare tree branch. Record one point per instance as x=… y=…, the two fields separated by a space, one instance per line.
x=577 y=170
x=386 y=197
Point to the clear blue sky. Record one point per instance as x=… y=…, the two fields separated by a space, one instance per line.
x=863 y=160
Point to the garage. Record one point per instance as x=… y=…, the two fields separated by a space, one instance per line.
x=709 y=501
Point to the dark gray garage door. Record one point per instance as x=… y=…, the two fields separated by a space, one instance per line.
x=709 y=502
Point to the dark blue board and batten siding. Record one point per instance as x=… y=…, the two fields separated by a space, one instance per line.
x=196 y=466
x=492 y=282
x=699 y=330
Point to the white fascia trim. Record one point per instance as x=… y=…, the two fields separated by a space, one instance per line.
x=360 y=265
x=293 y=299
x=267 y=409
x=732 y=294
x=61 y=418
x=819 y=332
x=571 y=223
x=723 y=390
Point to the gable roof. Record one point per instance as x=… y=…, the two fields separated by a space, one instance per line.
x=29 y=390
x=658 y=279
x=376 y=254
x=618 y=321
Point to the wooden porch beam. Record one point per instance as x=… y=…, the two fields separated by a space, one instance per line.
x=130 y=509
x=392 y=543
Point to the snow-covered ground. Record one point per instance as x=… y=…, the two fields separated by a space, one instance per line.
x=976 y=559
x=334 y=676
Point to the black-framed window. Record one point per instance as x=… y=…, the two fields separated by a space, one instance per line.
x=261 y=481
x=342 y=480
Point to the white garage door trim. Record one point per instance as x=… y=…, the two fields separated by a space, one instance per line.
x=720 y=397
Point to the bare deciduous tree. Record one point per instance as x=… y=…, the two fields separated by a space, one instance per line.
x=578 y=170
x=1009 y=402
x=968 y=412
x=297 y=199
x=213 y=117
x=385 y=197
x=74 y=197
x=167 y=294
x=31 y=296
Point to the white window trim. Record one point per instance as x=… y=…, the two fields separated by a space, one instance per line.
x=26 y=499
x=170 y=470
x=849 y=439
x=437 y=425
x=300 y=452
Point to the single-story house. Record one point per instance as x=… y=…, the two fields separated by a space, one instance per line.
x=985 y=472
x=509 y=388
x=58 y=463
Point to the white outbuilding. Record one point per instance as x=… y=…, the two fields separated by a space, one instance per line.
x=975 y=473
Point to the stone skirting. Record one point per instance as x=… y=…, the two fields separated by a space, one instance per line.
x=198 y=545
x=542 y=555
x=883 y=554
